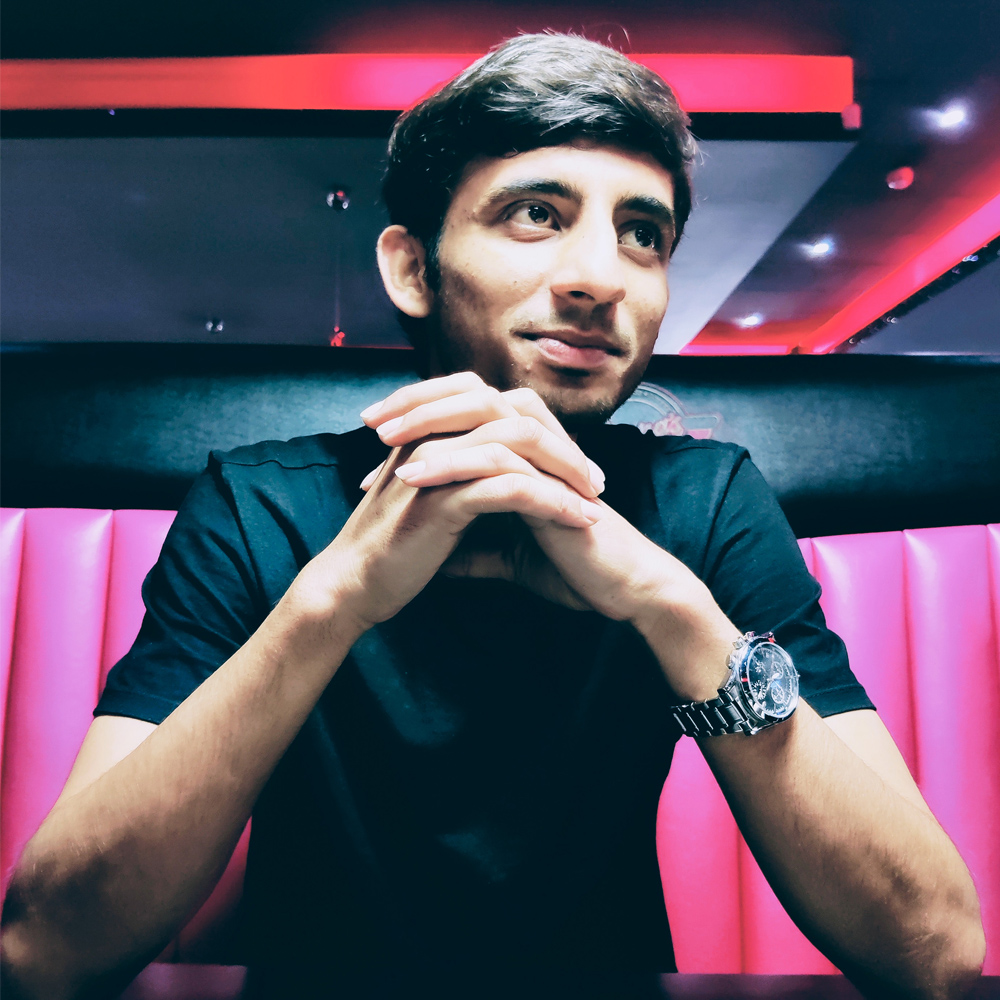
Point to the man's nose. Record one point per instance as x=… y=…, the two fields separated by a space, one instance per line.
x=589 y=268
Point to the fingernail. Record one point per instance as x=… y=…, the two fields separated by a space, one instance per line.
x=370 y=411
x=592 y=510
x=369 y=479
x=389 y=426
x=411 y=469
x=596 y=476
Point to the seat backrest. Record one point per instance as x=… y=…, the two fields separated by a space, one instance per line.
x=919 y=613
x=71 y=607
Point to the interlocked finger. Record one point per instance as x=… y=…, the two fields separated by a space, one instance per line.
x=369 y=480
x=452 y=414
x=531 y=496
x=454 y=466
x=552 y=454
x=403 y=400
x=529 y=439
x=463 y=404
x=528 y=403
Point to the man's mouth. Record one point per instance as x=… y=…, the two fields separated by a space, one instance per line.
x=572 y=350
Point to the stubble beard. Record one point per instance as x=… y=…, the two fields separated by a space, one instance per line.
x=452 y=349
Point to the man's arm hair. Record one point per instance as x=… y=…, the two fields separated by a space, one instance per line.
x=854 y=853
x=151 y=814
x=122 y=861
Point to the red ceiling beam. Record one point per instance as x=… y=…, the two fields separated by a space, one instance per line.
x=948 y=248
x=369 y=82
x=942 y=244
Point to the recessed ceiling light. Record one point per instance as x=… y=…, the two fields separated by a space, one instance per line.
x=747 y=322
x=950 y=118
x=819 y=248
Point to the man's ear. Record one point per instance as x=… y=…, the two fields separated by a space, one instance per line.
x=401 y=259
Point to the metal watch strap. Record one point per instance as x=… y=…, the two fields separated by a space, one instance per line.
x=712 y=718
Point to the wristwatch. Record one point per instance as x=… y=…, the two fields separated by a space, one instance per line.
x=762 y=689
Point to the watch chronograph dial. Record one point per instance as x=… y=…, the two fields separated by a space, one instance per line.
x=772 y=681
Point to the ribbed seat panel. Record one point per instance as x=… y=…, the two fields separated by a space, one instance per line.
x=919 y=613
x=918 y=610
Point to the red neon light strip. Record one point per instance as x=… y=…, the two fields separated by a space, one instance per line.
x=965 y=237
x=720 y=347
x=942 y=252
x=370 y=82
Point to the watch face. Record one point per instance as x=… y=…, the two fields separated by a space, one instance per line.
x=771 y=681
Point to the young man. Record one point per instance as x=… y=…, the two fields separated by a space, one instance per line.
x=449 y=695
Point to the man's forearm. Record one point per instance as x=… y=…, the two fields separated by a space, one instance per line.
x=868 y=875
x=117 y=866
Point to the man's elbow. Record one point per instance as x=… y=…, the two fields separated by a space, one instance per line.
x=42 y=953
x=954 y=953
x=28 y=969
x=34 y=966
x=29 y=965
x=932 y=948
x=965 y=962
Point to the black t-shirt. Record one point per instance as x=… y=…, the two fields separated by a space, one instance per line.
x=480 y=778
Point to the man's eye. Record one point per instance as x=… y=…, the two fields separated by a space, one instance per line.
x=645 y=236
x=537 y=215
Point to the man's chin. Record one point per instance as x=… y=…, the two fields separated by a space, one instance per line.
x=576 y=414
x=578 y=409
x=581 y=420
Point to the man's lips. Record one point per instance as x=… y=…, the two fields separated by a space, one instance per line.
x=566 y=354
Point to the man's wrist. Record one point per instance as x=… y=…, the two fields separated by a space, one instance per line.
x=318 y=620
x=692 y=639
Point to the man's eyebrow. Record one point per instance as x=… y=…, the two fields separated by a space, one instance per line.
x=535 y=185
x=643 y=203
x=647 y=205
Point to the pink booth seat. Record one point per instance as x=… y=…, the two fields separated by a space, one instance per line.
x=71 y=607
x=920 y=614
x=917 y=609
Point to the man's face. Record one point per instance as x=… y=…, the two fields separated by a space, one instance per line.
x=553 y=275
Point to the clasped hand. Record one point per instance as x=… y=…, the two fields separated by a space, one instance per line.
x=462 y=450
x=507 y=460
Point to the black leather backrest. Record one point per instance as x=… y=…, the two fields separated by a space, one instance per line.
x=849 y=443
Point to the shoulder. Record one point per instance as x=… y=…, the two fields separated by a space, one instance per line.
x=671 y=455
x=313 y=451
x=282 y=502
x=700 y=452
x=309 y=483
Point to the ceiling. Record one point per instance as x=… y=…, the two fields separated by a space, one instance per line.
x=149 y=238
x=849 y=247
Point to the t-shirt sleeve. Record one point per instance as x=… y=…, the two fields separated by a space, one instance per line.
x=202 y=604
x=757 y=574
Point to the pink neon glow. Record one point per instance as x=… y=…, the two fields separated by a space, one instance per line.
x=941 y=250
x=901 y=179
x=375 y=81
x=897 y=598
x=970 y=234
x=733 y=347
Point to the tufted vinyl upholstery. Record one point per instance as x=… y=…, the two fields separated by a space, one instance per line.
x=71 y=584
x=919 y=611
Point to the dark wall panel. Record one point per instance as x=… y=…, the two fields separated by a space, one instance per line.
x=849 y=442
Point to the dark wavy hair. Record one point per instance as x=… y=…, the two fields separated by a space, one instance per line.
x=529 y=92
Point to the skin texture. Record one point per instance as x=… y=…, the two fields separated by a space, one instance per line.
x=150 y=814
x=514 y=264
